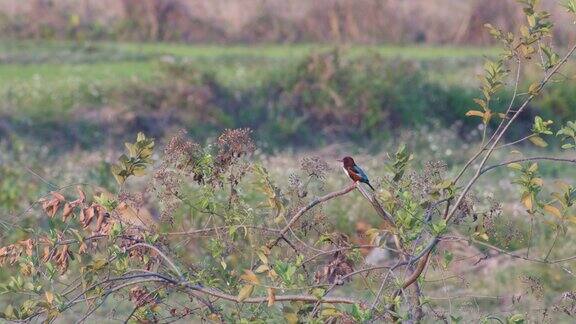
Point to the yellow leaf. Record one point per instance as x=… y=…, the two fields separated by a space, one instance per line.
x=481 y=103
x=534 y=88
x=527 y=200
x=444 y=184
x=524 y=31
x=214 y=317
x=272 y=274
x=271 y=297
x=99 y=264
x=49 y=297
x=487 y=116
x=250 y=277
x=553 y=210
x=262 y=268
x=538 y=141
x=373 y=234
x=262 y=257
x=265 y=250
x=515 y=166
x=330 y=312
x=245 y=292
x=537 y=181
x=291 y=318
x=533 y=167
x=562 y=185
x=572 y=219
x=475 y=113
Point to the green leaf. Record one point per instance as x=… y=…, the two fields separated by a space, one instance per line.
x=570 y=6
x=439 y=227
x=448 y=257
x=318 y=292
x=516 y=319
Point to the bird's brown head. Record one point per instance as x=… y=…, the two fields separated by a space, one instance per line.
x=348 y=162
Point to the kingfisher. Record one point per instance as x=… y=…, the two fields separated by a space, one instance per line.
x=354 y=171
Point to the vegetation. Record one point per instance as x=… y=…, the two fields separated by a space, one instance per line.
x=271 y=21
x=286 y=94
x=213 y=228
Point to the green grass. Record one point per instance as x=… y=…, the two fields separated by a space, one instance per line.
x=43 y=79
x=57 y=62
x=295 y=51
x=49 y=74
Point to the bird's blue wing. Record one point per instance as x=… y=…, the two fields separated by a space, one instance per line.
x=360 y=172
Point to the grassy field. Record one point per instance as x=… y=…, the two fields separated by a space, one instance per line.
x=66 y=108
x=56 y=62
x=45 y=82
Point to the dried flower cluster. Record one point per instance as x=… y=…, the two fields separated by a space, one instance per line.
x=233 y=144
x=567 y=304
x=179 y=163
x=534 y=286
x=140 y=296
x=422 y=182
x=315 y=166
x=336 y=270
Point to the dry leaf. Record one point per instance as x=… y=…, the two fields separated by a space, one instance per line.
x=58 y=196
x=67 y=211
x=81 y=195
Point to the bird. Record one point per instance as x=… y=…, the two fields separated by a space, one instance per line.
x=354 y=171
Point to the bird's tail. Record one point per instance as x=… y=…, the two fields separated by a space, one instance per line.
x=369 y=185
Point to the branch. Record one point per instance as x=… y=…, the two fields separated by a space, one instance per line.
x=157 y=250
x=536 y=158
x=388 y=220
x=258 y=300
x=306 y=208
x=215 y=229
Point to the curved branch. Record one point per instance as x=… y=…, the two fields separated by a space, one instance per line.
x=157 y=250
x=306 y=208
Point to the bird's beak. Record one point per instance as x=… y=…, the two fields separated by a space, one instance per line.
x=339 y=160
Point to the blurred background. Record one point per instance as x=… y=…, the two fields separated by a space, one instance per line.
x=78 y=78
x=300 y=73
x=268 y=21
